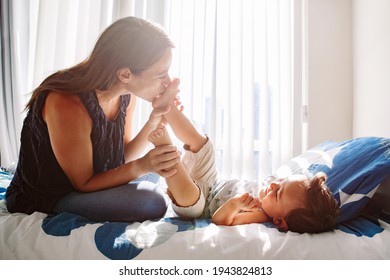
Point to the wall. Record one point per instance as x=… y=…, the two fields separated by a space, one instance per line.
x=371 y=68
x=348 y=75
x=330 y=92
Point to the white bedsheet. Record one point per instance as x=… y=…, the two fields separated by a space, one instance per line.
x=71 y=237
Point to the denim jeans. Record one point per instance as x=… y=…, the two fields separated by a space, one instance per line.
x=138 y=200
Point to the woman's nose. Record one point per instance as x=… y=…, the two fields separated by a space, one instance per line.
x=167 y=80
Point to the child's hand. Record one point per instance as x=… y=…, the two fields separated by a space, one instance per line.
x=245 y=202
x=239 y=210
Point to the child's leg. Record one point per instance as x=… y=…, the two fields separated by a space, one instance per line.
x=180 y=124
x=185 y=130
x=183 y=190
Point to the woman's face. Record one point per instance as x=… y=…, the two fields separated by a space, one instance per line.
x=153 y=80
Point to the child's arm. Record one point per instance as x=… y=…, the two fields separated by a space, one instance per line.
x=239 y=210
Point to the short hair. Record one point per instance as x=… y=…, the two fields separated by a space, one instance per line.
x=321 y=209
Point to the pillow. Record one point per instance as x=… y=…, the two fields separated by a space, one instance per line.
x=381 y=198
x=355 y=168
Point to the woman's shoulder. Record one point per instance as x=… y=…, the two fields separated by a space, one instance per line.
x=63 y=100
x=67 y=104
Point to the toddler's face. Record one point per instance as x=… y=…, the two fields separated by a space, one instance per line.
x=283 y=195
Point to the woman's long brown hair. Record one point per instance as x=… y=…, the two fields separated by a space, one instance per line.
x=129 y=42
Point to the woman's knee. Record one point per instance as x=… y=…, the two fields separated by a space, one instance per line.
x=154 y=201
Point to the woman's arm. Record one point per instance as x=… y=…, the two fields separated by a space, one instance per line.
x=70 y=126
x=239 y=210
x=135 y=146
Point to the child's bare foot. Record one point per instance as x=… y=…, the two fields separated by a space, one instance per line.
x=167 y=97
x=160 y=136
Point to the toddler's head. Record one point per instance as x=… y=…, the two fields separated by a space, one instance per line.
x=301 y=204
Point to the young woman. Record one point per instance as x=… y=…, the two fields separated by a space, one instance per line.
x=77 y=153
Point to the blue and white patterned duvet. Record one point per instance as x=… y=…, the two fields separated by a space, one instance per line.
x=68 y=236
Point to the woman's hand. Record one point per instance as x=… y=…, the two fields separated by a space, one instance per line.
x=156 y=117
x=161 y=160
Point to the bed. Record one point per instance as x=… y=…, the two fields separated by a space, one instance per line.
x=358 y=174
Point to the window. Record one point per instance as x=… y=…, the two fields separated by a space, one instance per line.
x=235 y=60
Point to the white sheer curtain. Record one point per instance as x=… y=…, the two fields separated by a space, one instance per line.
x=40 y=37
x=234 y=59
x=13 y=57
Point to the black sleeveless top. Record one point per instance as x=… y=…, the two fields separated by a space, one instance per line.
x=39 y=182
